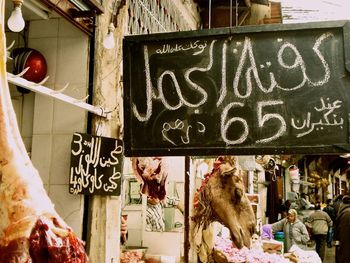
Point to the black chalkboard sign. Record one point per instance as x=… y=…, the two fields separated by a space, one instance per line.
x=246 y=90
x=96 y=165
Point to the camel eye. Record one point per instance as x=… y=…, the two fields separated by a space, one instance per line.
x=237 y=179
x=229 y=173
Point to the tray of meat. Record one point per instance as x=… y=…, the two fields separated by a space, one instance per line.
x=133 y=254
x=272 y=246
x=225 y=252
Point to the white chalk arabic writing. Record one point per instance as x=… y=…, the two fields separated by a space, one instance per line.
x=327 y=119
x=246 y=75
x=86 y=175
x=180 y=126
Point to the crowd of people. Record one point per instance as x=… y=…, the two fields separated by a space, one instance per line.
x=324 y=226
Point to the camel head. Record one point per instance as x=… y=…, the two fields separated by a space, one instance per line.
x=222 y=198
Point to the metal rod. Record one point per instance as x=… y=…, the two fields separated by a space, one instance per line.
x=230 y=13
x=236 y=13
x=18 y=81
x=187 y=208
x=209 y=14
x=34 y=7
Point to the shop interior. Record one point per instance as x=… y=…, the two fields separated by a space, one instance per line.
x=47 y=125
x=269 y=180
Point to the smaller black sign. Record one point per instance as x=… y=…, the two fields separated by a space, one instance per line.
x=96 y=165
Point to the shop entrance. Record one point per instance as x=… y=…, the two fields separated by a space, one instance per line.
x=260 y=97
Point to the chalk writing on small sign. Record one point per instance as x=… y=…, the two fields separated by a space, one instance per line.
x=269 y=90
x=96 y=165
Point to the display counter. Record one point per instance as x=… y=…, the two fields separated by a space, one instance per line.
x=261 y=251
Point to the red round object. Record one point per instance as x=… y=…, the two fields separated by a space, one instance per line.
x=27 y=57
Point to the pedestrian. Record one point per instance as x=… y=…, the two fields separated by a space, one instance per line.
x=304 y=202
x=284 y=208
x=295 y=232
x=342 y=230
x=320 y=223
x=329 y=209
x=337 y=202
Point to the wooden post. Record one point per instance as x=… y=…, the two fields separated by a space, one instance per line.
x=105 y=211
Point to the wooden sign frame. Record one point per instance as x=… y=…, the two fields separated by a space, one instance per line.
x=270 y=89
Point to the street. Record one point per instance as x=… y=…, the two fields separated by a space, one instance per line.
x=330 y=255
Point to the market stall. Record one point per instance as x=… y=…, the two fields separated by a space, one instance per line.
x=261 y=251
x=226 y=229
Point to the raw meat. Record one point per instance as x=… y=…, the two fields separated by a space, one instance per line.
x=31 y=231
x=151 y=173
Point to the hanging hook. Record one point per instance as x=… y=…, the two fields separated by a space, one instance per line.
x=43 y=81
x=60 y=90
x=8 y=50
x=11 y=45
x=22 y=72
x=81 y=100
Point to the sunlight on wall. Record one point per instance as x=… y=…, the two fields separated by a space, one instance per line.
x=298 y=11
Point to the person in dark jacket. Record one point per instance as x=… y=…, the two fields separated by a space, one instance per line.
x=337 y=202
x=342 y=230
x=329 y=209
x=321 y=222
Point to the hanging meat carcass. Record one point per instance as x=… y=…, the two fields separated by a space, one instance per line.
x=31 y=231
x=152 y=174
x=222 y=198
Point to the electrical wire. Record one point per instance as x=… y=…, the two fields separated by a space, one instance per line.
x=152 y=16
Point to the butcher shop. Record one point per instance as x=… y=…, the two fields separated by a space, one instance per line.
x=123 y=143
x=251 y=166
x=44 y=45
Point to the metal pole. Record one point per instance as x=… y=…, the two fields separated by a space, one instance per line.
x=187 y=208
x=38 y=88
x=236 y=13
x=209 y=14
x=230 y=13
